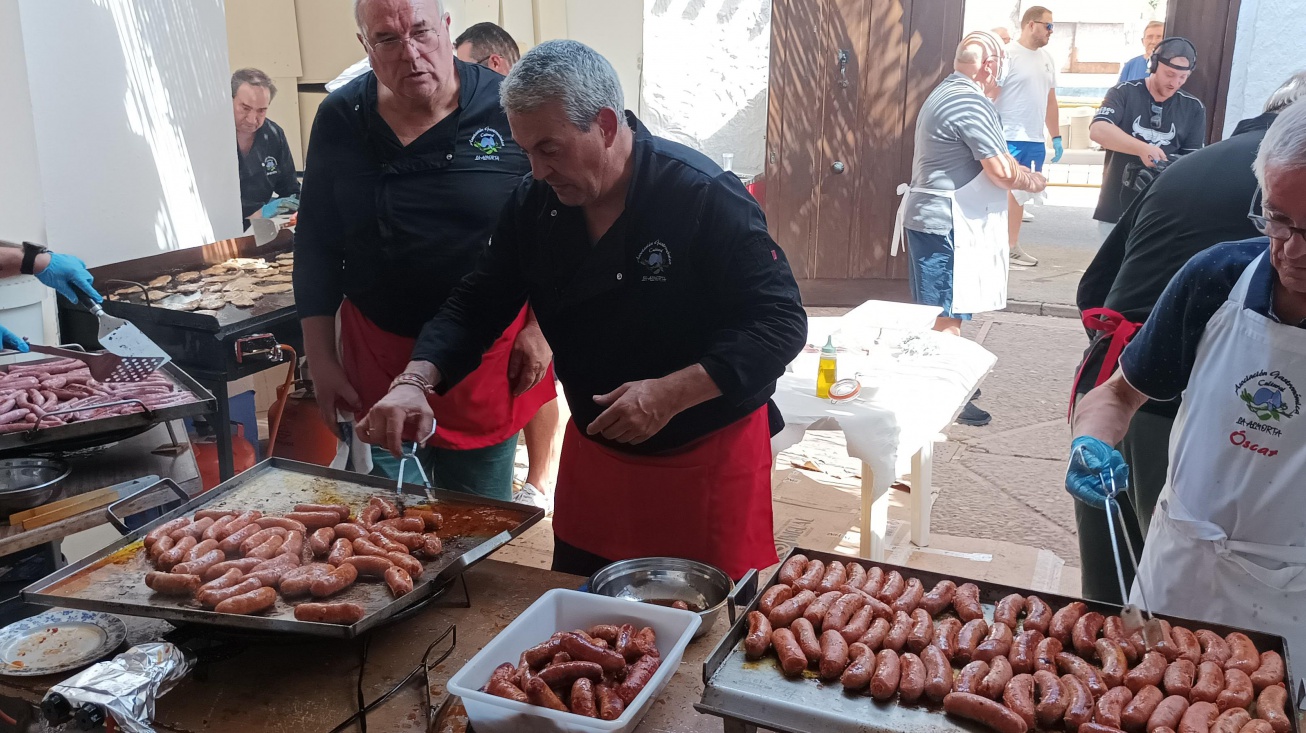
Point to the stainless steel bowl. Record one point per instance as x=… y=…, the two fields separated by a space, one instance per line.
x=663 y=580
x=29 y=482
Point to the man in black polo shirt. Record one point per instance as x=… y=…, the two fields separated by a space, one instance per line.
x=1199 y=202
x=670 y=310
x=408 y=169
x=1145 y=124
x=267 y=168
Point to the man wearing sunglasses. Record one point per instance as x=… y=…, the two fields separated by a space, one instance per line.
x=407 y=170
x=1229 y=335
x=1145 y=124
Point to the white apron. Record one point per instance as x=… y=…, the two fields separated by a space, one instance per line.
x=981 y=254
x=1228 y=540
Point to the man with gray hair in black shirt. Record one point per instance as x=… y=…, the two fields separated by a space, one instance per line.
x=267 y=167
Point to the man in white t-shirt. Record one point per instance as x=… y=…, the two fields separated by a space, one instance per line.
x=1027 y=103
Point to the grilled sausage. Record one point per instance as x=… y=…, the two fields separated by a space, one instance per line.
x=984 y=711
x=269 y=572
x=939 y=597
x=562 y=675
x=1114 y=662
x=370 y=514
x=1111 y=706
x=1114 y=629
x=194 y=529
x=758 y=640
x=996 y=644
x=792 y=569
x=160 y=546
x=342 y=577
x=219 y=524
x=340 y=509
x=1079 y=701
x=841 y=611
x=350 y=531
x=201 y=549
x=398 y=581
x=293 y=545
x=199 y=565
x=894 y=585
x=410 y=564
x=856 y=575
x=857 y=675
x=1270 y=672
x=257 y=538
x=1063 y=622
x=269 y=549
x=385 y=543
x=1178 y=679
x=884 y=681
x=1270 y=707
x=874 y=581
x=610 y=705
x=1085 y=632
x=1038 y=615
x=1045 y=655
x=365 y=547
x=1242 y=653
x=432 y=546
x=1019 y=696
x=298 y=581
x=401 y=524
x=1052 y=700
x=946 y=633
x=911 y=678
x=1214 y=647
x=287 y=523
x=172 y=557
x=244 y=565
x=341 y=549
x=922 y=629
x=970 y=677
x=231 y=543
x=874 y=636
x=172 y=584
x=237 y=523
x=965 y=601
x=389 y=510
x=1187 y=644
x=1023 y=651
x=911 y=597
x=369 y=567
x=321 y=540
x=1140 y=709
x=1096 y=727
x=1071 y=664
x=331 y=613
x=1151 y=671
x=834 y=578
x=539 y=693
x=215 y=514
x=163 y=530
x=586 y=650
x=969 y=638
x=413 y=541
x=1199 y=717
x=859 y=625
x=226 y=580
x=807 y=639
x=1166 y=645
x=247 y=603
x=774 y=596
x=1238 y=690
x=898 y=632
x=834 y=655
x=1007 y=611
x=879 y=609
x=812 y=576
x=1168 y=713
x=996 y=680
x=785 y=613
x=1209 y=684
x=938 y=673
x=637 y=677
x=1231 y=721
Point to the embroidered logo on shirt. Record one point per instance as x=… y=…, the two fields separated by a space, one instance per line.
x=1269 y=395
x=270 y=166
x=1154 y=137
x=489 y=142
x=1108 y=111
x=655 y=258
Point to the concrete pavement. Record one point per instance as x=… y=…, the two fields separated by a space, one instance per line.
x=1064 y=237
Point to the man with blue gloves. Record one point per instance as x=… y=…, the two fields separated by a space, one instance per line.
x=1027 y=102
x=1227 y=542
x=65 y=273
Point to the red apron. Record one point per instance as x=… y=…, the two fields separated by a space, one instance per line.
x=1120 y=330
x=479 y=412
x=709 y=501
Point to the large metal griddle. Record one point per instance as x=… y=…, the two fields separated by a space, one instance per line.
x=758 y=693
x=113 y=579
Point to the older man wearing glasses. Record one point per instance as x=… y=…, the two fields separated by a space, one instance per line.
x=407 y=171
x=1144 y=125
x=1227 y=541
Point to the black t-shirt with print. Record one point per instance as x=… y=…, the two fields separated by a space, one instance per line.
x=268 y=169
x=1177 y=126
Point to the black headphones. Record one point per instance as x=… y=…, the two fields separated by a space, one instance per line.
x=1155 y=61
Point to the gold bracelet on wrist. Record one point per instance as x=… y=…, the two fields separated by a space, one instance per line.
x=413 y=380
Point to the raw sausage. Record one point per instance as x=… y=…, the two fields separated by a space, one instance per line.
x=898 y=632
x=1168 y=713
x=910 y=598
x=965 y=601
x=1151 y=671
x=1063 y=622
x=996 y=680
x=1270 y=708
x=321 y=541
x=1210 y=682
x=342 y=549
x=1179 y=679
x=1023 y=651
x=1238 y=690
x=1270 y=672
x=938 y=673
x=1199 y=717
x=786 y=612
x=970 y=677
x=1257 y=726
x=1096 y=727
x=1114 y=662
x=969 y=638
x=162 y=545
x=369 y=567
x=172 y=584
x=857 y=675
x=834 y=655
x=874 y=581
x=1084 y=633
x=858 y=626
x=911 y=678
x=194 y=529
x=1007 y=611
x=339 y=579
x=807 y=640
x=946 y=634
x=1052 y=699
x=758 y=640
x=894 y=585
x=922 y=630
x=330 y=613
x=939 y=598
x=996 y=644
x=240 y=522
x=1071 y=664
x=984 y=711
x=1242 y=653
x=884 y=681
x=774 y=596
x=1187 y=644
x=215 y=514
x=874 y=636
x=856 y=575
x=812 y=576
x=1112 y=705
x=841 y=611
x=1231 y=721
x=834 y=577
x=247 y=603
x=286 y=523
x=1019 y=696
x=1140 y=709
x=792 y=569
x=1214 y=648
x=1079 y=701
x=1038 y=614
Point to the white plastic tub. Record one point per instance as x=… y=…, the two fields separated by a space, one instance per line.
x=563 y=610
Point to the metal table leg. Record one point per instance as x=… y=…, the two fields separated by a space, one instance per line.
x=730 y=725
x=222 y=428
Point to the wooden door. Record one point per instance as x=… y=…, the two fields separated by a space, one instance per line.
x=1211 y=26
x=847 y=80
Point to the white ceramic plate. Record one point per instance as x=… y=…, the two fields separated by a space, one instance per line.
x=58 y=640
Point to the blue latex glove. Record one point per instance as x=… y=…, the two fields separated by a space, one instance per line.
x=276 y=207
x=1092 y=463
x=1057 y=149
x=68 y=276
x=10 y=340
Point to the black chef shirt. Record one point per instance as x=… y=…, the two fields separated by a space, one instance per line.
x=267 y=169
x=1180 y=129
x=394 y=227
x=686 y=275
x=1200 y=201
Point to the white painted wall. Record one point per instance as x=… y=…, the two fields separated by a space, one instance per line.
x=1267 y=51
x=130 y=102
x=706 y=69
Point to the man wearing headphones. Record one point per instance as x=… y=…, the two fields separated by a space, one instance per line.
x=1144 y=125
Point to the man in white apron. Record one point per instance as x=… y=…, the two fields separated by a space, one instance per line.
x=1227 y=543
x=955 y=210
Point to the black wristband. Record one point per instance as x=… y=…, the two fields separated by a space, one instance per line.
x=30 y=251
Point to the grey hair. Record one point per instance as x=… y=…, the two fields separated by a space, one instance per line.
x=564 y=71
x=1290 y=91
x=358 y=13
x=969 y=53
x=254 y=78
x=1284 y=145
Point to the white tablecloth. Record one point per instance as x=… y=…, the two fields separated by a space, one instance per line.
x=914 y=382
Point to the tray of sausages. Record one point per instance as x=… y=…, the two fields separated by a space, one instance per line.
x=840 y=644
x=287 y=546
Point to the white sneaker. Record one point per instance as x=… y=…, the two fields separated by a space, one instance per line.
x=1026 y=216
x=529 y=494
x=1021 y=258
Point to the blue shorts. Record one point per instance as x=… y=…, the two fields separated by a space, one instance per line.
x=1028 y=154
x=930 y=273
x=481 y=471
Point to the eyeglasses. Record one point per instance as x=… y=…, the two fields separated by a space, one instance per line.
x=1270 y=227
x=1048 y=26
x=1156 y=117
x=423 y=42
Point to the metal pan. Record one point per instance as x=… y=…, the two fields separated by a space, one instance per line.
x=757 y=693
x=113 y=579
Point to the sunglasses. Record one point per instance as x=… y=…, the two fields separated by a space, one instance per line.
x=1156 y=117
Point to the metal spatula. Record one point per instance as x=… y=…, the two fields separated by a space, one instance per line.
x=1130 y=615
x=124 y=339
x=106 y=367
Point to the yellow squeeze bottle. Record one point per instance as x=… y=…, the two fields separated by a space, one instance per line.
x=827 y=371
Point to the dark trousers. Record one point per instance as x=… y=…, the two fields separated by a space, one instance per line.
x=571 y=559
x=1146 y=449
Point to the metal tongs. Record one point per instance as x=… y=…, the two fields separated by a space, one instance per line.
x=412 y=453
x=1130 y=615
